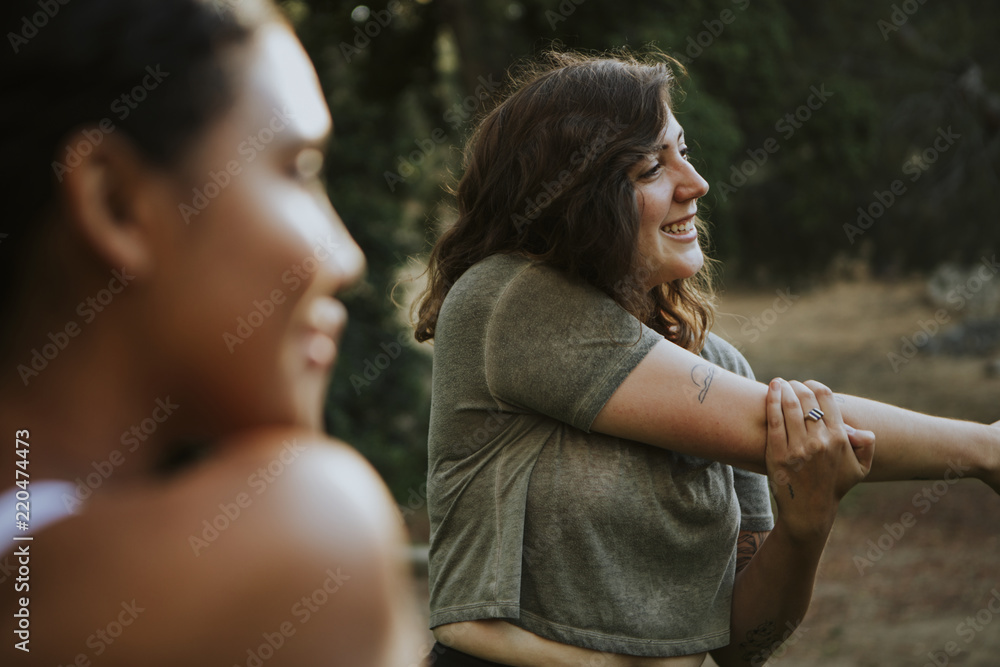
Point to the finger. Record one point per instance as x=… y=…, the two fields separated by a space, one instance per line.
x=862 y=443
x=863 y=447
x=859 y=439
x=827 y=403
x=777 y=437
x=808 y=402
x=791 y=406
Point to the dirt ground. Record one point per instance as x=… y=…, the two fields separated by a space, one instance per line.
x=908 y=575
x=910 y=605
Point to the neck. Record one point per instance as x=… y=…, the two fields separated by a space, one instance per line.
x=88 y=404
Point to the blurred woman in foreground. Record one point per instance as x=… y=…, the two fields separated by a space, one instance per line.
x=170 y=266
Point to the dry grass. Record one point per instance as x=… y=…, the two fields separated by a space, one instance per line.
x=914 y=599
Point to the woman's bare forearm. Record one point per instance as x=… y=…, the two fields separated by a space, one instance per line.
x=770 y=598
x=912 y=445
x=677 y=400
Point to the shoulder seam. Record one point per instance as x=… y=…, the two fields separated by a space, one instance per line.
x=491 y=324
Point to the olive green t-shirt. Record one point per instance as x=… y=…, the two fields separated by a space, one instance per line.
x=577 y=536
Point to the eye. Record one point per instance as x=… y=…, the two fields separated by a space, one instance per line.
x=685 y=153
x=308 y=164
x=652 y=172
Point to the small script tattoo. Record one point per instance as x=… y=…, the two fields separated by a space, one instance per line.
x=791 y=491
x=702 y=375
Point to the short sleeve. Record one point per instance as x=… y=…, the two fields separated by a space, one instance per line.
x=751 y=488
x=560 y=347
x=755 y=501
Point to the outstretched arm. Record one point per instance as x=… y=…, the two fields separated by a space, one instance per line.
x=677 y=400
x=917 y=446
x=810 y=468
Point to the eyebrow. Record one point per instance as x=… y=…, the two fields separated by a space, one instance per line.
x=680 y=140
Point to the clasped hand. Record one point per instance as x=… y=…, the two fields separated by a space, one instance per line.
x=811 y=465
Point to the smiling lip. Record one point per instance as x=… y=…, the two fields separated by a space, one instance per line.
x=680 y=221
x=325 y=325
x=321 y=350
x=685 y=236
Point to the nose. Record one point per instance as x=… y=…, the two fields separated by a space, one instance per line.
x=346 y=262
x=692 y=185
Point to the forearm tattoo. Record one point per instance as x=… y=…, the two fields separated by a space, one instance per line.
x=702 y=375
x=759 y=642
x=746 y=546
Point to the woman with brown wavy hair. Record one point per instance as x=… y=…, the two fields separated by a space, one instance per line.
x=590 y=439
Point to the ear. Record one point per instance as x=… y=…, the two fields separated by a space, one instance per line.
x=107 y=199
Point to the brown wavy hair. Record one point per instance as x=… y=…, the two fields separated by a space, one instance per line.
x=546 y=177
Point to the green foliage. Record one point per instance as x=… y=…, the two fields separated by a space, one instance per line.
x=896 y=79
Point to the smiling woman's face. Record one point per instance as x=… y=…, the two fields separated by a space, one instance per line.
x=247 y=323
x=667 y=189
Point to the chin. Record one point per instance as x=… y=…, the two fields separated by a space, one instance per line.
x=683 y=271
x=689 y=274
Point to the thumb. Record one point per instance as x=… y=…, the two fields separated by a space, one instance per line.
x=863 y=443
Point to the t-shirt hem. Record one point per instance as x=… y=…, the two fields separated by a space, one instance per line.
x=757 y=524
x=598 y=641
x=475 y=612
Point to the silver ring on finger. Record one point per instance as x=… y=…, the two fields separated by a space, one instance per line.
x=814 y=415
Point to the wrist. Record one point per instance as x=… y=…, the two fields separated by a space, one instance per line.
x=986 y=467
x=806 y=535
x=983 y=452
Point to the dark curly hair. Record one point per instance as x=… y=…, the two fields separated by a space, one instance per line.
x=546 y=176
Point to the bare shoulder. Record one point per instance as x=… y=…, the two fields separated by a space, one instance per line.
x=308 y=478
x=283 y=547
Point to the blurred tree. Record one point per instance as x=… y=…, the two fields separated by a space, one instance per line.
x=800 y=114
